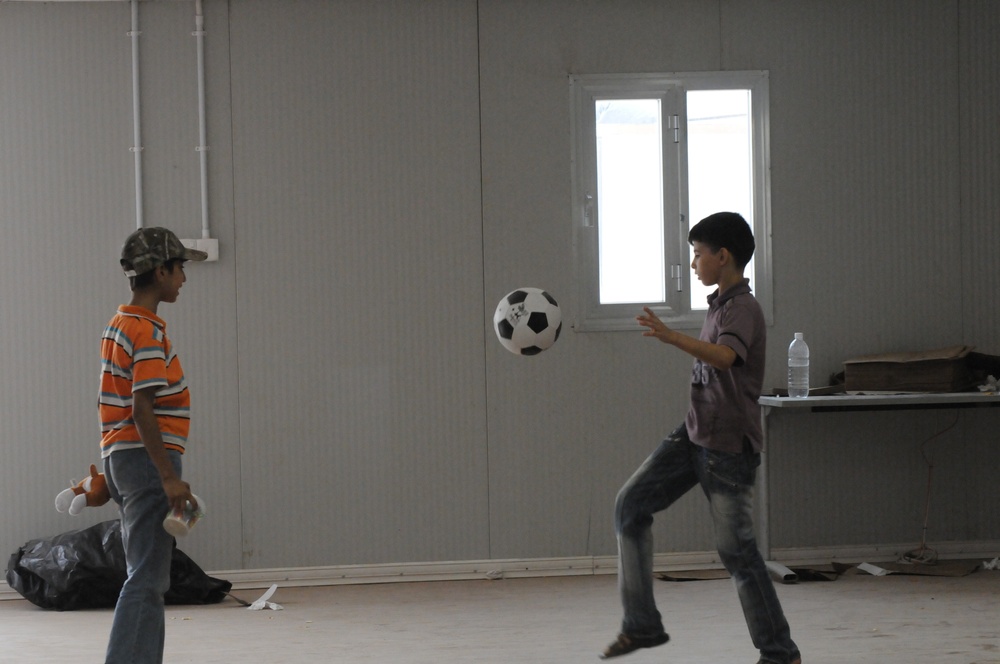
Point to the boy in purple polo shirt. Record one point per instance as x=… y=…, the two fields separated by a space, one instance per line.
x=718 y=447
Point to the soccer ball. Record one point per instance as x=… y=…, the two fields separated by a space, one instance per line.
x=527 y=321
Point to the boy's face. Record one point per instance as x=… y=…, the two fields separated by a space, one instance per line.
x=707 y=264
x=172 y=280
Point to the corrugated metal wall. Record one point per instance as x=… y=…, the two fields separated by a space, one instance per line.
x=381 y=173
x=979 y=210
x=359 y=272
x=979 y=119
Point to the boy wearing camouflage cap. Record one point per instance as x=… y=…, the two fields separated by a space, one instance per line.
x=144 y=408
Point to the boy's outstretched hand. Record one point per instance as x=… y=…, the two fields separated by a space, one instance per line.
x=717 y=355
x=655 y=326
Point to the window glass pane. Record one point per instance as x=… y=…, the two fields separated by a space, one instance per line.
x=720 y=167
x=630 y=201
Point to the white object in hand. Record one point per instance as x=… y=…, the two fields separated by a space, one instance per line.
x=180 y=522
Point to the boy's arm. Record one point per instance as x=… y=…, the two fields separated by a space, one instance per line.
x=178 y=491
x=719 y=356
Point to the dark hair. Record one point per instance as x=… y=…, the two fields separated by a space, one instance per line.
x=725 y=230
x=145 y=279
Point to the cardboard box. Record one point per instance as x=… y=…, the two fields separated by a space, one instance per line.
x=940 y=370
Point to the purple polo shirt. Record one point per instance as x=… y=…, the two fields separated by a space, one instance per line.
x=724 y=406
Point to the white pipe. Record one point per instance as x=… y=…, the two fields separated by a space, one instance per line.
x=780 y=573
x=137 y=134
x=202 y=149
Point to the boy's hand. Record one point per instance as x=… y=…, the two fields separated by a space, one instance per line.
x=719 y=356
x=178 y=493
x=656 y=327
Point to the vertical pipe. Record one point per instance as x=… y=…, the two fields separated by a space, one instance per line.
x=137 y=134
x=202 y=148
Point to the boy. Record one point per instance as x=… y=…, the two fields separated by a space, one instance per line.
x=144 y=408
x=718 y=447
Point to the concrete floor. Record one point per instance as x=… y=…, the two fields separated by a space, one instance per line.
x=857 y=619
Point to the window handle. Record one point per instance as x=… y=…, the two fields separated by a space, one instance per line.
x=677 y=276
x=588 y=211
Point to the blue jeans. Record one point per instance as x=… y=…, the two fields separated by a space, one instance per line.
x=677 y=466
x=137 y=631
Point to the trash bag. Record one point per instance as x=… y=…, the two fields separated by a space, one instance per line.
x=85 y=569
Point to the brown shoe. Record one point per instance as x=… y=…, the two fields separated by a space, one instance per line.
x=625 y=644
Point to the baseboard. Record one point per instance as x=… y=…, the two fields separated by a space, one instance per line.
x=453 y=571
x=439 y=571
x=573 y=566
x=986 y=549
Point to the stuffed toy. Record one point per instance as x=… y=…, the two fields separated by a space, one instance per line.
x=89 y=492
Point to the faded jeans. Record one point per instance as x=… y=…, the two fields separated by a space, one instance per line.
x=137 y=631
x=677 y=466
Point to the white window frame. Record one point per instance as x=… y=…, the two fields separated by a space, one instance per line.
x=590 y=314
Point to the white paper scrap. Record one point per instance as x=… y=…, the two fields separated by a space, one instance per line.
x=262 y=602
x=872 y=569
x=992 y=564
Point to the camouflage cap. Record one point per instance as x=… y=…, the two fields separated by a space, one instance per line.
x=148 y=248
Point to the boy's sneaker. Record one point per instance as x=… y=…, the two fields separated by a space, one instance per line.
x=626 y=643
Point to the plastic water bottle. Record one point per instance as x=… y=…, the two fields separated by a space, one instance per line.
x=798 y=367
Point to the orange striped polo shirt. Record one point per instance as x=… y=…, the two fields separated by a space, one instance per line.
x=136 y=354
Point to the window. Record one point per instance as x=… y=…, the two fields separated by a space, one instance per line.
x=653 y=154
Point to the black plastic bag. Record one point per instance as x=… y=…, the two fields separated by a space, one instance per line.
x=85 y=569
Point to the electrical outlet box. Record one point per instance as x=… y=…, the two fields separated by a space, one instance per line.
x=209 y=245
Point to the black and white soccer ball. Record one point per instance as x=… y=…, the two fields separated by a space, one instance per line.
x=527 y=321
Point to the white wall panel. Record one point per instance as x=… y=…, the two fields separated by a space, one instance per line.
x=204 y=322
x=360 y=282
x=864 y=100
x=979 y=119
x=65 y=179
